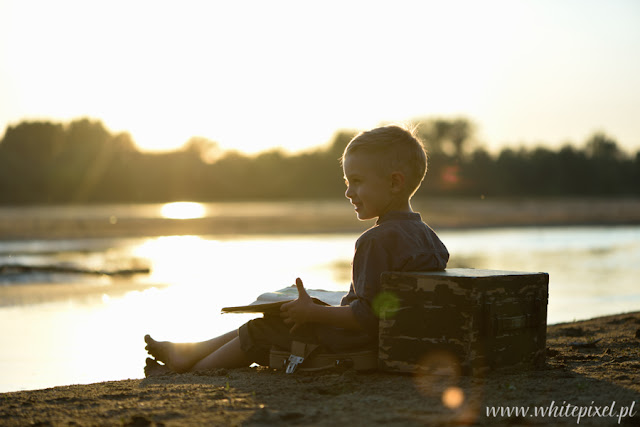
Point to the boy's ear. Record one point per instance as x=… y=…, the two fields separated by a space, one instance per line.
x=397 y=182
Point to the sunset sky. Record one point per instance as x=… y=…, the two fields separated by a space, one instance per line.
x=258 y=74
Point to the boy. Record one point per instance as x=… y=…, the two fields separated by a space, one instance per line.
x=383 y=168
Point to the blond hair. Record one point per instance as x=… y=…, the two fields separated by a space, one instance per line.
x=398 y=149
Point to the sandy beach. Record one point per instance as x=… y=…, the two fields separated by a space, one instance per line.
x=594 y=364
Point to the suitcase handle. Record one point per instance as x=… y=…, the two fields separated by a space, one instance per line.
x=497 y=325
x=513 y=323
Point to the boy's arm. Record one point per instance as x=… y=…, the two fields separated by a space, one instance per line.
x=303 y=310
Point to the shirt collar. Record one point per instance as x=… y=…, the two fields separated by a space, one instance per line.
x=397 y=215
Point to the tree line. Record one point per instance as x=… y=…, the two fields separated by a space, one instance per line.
x=83 y=162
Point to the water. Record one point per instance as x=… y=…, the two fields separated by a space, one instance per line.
x=59 y=329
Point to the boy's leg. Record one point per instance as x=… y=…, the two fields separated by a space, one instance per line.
x=230 y=355
x=180 y=357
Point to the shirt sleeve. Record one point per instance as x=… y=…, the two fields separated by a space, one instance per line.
x=369 y=261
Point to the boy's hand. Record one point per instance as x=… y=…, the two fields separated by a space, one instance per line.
x=297 y=311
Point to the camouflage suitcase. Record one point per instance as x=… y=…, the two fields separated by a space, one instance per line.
x=473 y=319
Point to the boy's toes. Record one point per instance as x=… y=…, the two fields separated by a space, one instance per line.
x=159 y=350
x=152 y=345
x=153 y=368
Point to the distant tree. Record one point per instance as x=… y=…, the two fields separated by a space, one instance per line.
x=231 y=175
x=209 y=151
x=86 y=157
x=449 y=137
x=478 y=173
x=27 y=160
x=575 y=178
x=608 y=165
x=600 y=146
x=339 y=142
x=271 y=176
x=35 y=141
x=635 y=175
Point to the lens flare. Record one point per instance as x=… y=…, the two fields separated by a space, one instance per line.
x=439 y=376
x=438 y=371
x=385 y=304
x=453 y=397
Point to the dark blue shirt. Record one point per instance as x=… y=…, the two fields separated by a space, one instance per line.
x=399 y=241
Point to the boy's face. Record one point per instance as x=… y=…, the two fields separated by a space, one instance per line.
x=368 y=189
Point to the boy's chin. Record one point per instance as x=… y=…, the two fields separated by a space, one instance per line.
x=363 y=216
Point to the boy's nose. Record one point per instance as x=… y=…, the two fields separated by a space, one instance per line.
x=347 y=193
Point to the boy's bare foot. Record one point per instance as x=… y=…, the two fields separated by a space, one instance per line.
x=168 y=353
x=154 y=369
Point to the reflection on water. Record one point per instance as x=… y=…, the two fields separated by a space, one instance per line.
x=161 y=210
x=78 y=329
x=183 y=210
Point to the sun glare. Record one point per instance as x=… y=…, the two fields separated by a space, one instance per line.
x=183 y=210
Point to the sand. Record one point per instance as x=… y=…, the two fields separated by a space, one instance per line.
x=591 y=364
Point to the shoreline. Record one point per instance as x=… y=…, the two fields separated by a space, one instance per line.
x=305 y=217
x=592 y=362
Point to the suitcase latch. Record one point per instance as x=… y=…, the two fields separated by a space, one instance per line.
x=294 y=361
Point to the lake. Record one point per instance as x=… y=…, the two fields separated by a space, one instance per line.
x=67 y=328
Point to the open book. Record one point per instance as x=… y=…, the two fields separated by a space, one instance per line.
x=270 y=302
